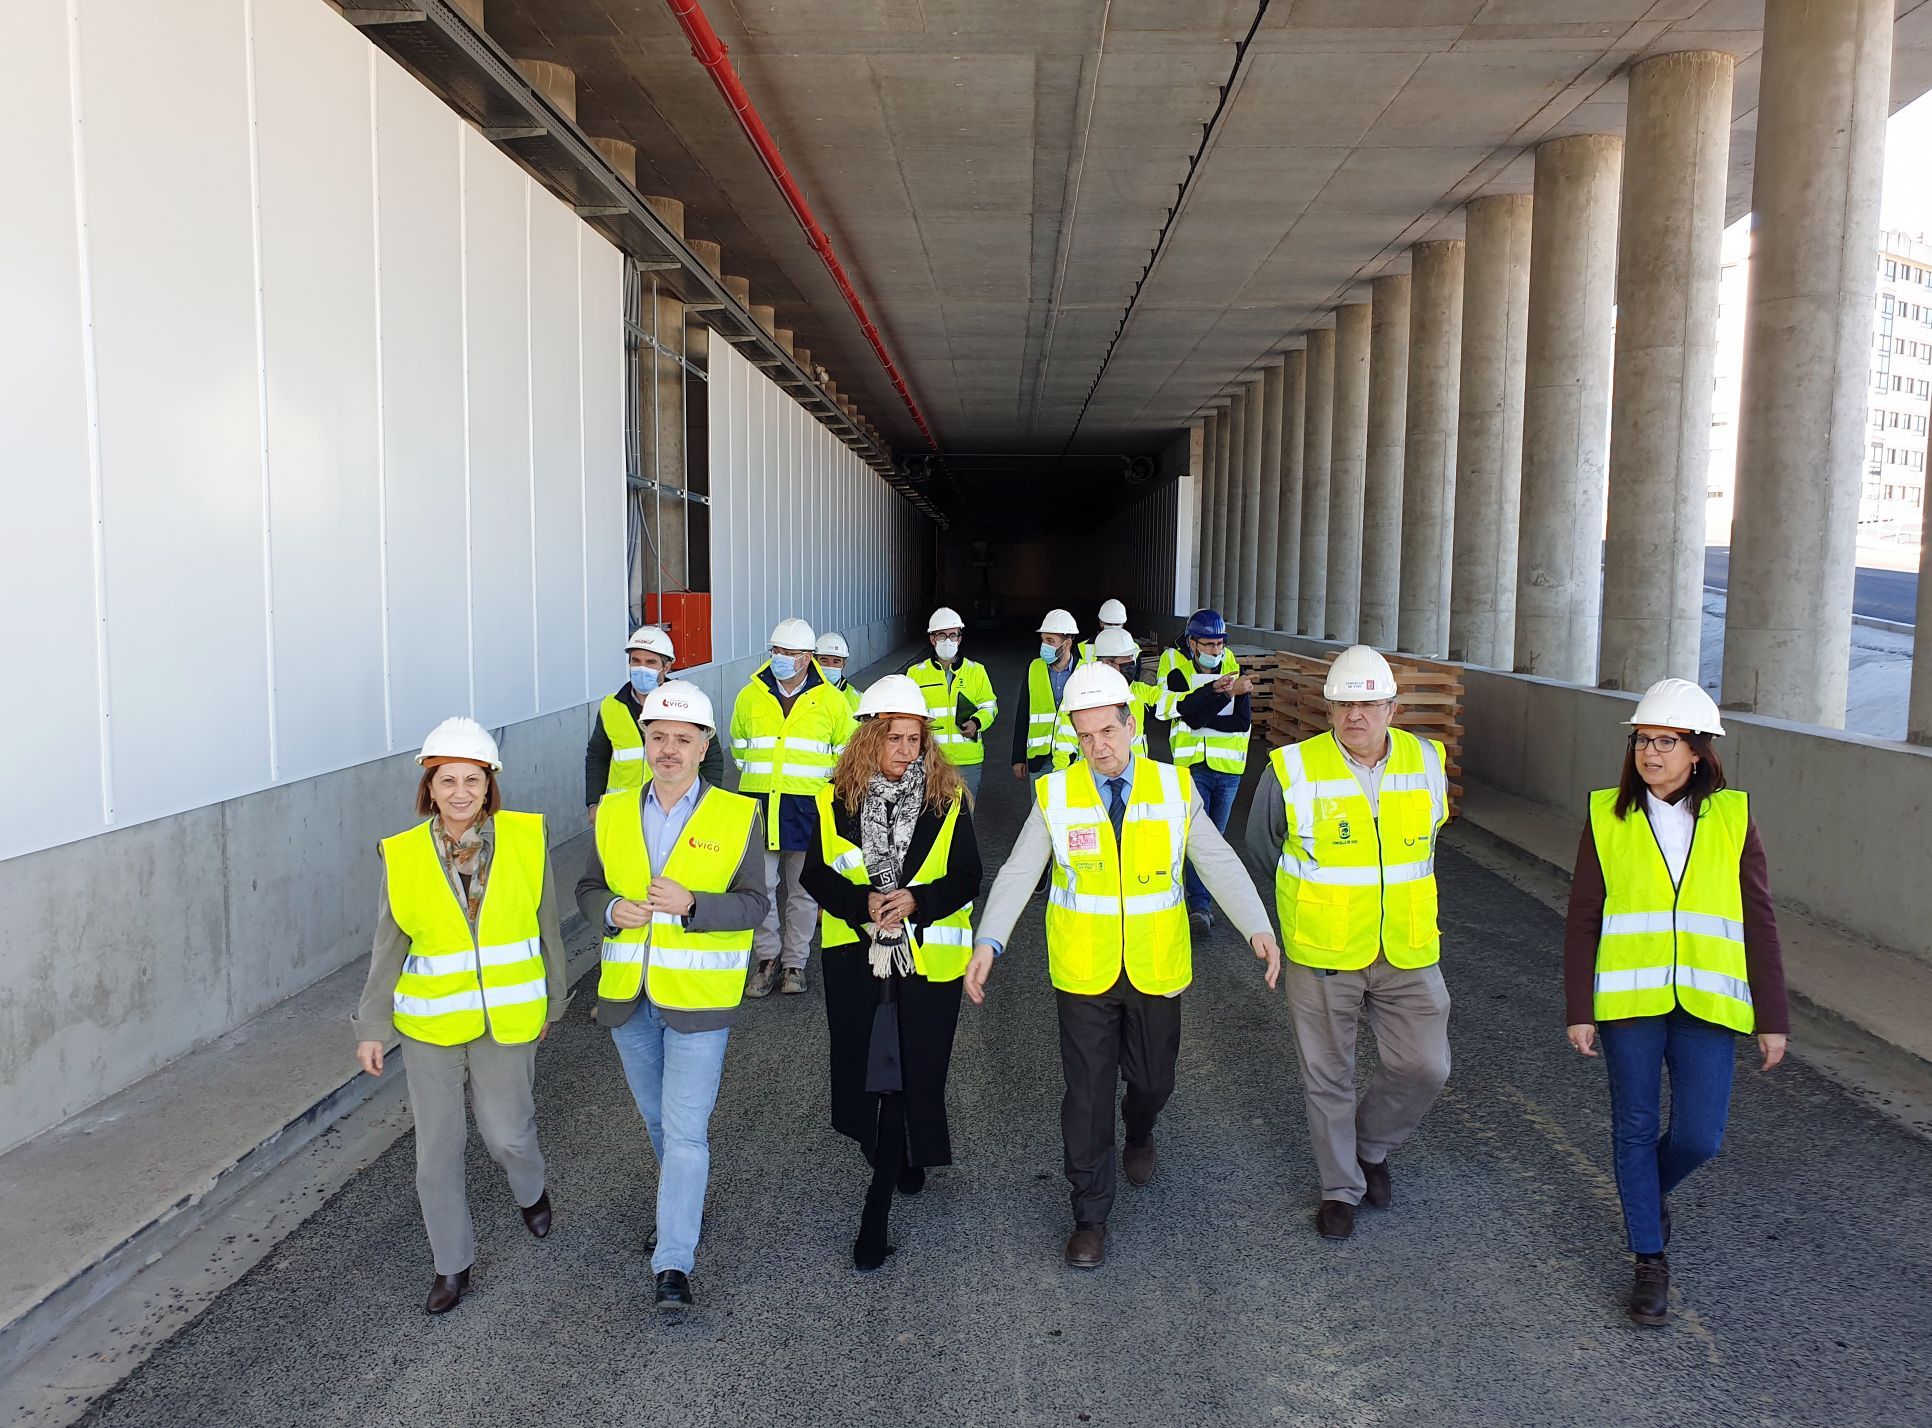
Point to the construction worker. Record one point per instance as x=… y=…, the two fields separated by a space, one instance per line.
x=832 y=653
x=1206 y=700
x=1349 y=818
x=1118 y=650
x=959 y=697
x=1670 y=954
x=1113 y=616
x=787 y=727
x=469 y=969
x=1046 y=678
x=614 y=756
x=677 y=883
x=1115 y=829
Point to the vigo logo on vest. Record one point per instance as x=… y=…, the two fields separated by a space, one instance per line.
x=702 y=846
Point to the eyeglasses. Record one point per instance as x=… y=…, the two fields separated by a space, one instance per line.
x=1662 y=743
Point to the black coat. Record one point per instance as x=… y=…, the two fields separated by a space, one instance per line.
x=927 y=1011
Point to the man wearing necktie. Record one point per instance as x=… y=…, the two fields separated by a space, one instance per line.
x=1117 y=829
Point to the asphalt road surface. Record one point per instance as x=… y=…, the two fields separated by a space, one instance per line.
x=1876 y=594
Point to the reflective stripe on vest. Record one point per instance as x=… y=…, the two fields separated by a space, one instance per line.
x=779 y=753
x=1116 y=903
x=1226 y=751
x=1663 y=945
x=1353 y=883
x=457 y=983
x=941 y=950
x=627 y=766
x=968 y=680
x=1041 y=710
x=690 y=971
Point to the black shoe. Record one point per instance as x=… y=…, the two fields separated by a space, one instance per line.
x=1650 y=1291
x=1379 y=1190
x=447 y=1292
x=912 y=1180
x=536 y=1217
x=870 y=1249
x=1200 y=921
x=674 y=1290
x=1335 y=1220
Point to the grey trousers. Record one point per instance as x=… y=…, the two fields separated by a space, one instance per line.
x=500 y=1080
x=800 y=913
x=1409 y=1011
x=970 y=773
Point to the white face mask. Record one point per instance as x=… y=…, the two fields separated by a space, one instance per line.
x=946 y=649
x=834 y=673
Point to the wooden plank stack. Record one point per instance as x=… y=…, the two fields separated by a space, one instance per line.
x=1289 y=705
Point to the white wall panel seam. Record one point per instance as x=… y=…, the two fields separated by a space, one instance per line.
x=261 y=382
x=96 y=496
x=469 y=495
x=382 y=431
x=530 y=449
x=583 y=463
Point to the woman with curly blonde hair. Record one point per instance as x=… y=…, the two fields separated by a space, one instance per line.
x=894 y=869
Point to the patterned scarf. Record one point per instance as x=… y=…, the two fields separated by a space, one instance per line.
x=887 y=815
x=468 y=857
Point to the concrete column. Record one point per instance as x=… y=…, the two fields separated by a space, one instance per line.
x=1429 y=446
x=1382 y=484
x=1204 y=531
x=1566 y=406
x=1489 y=431
x=1193 y=494
x=555 y=82
x=1217 y=568
x=1918 y=719
x=1347 y=470
x=1268 y=522
x=472 y=11
x=620 y=154
x=1246 y=574
x=1677 y=146
x=1228 y=585
x=661 y=417
x=1318 y=427
x=1294 y=394
x=1822 y=103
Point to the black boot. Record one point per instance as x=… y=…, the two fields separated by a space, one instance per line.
x=1650 y=1290
x=447 y=1292
x=912 y=1179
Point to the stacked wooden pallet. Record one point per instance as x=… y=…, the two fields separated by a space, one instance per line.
x=1289 y=705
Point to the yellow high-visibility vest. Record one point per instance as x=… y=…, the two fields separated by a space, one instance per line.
x=940 y=950
x=1665 y=945
x=1226 y=751
x=456 y=982
x=628 y=768
x=1042 y=709
x=690 y=971
x=1116 y=903
x=1353 y=884
x=780 y=753
x=1066 y=742
x=943 y=691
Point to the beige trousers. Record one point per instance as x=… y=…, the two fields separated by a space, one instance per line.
x=1409 y=1012
x=799 y=918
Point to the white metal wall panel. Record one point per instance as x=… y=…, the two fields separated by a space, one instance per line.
x=425 y=482
x=557 y=456
x=50 y=723
x=320 y=348
x=496 y=275
x=172 y=266
x=600 y=300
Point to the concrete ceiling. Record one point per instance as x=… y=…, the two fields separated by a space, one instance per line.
x=995 y=173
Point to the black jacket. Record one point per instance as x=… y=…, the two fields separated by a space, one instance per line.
x=846 y=900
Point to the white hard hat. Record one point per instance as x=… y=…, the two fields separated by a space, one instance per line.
x=893 y=694
x=1114 y=644
x=681 y=701
x=1059 y=622
x=1678 y=704
x=1095 y=686
x=792 y=634
x=461 y=738
x=944 y=618
x=650 y=637
x=1112 y=612
x=1359 y=676
x=833 y=643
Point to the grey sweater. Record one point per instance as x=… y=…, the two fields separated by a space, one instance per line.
x=742 y=905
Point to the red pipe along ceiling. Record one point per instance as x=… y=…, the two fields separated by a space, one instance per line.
x=711 y=53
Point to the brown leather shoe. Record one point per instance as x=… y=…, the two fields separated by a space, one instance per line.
x=447 y=1292
x=536 y=1216
x=1335 y=1220
x=1379 y=1189
x=763 y=978
x=1650 y=1292
x=1087 y=1245
x=1137 y=1160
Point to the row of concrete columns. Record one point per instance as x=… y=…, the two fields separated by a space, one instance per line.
x=1445 y=471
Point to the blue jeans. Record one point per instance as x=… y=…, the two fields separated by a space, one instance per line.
x=1217 y=792
x=674 y=1080
x=1651 y=1162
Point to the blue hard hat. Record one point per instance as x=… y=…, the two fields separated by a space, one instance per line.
x=1205 y=625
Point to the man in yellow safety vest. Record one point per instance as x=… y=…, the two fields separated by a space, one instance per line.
x=1206 y=700
x=960 y=705
x=677 y=883
x=614 y=754
x=1046 y=680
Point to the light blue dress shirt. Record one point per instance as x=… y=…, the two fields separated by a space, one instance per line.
x=662 y=828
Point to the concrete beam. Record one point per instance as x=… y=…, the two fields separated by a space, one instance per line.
x=1429 y=446
x=620 y=154
x=1382 y=483
x=1318 y=428
x=554 y=82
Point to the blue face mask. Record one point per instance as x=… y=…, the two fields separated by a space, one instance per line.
x=645 y=680
x=834 y=676
x=784 y=668
x=1049 y=653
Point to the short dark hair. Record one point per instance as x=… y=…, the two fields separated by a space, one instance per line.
x=1706 y=775
x=492 y=794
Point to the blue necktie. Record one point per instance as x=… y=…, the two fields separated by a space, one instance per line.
x=1117 y=803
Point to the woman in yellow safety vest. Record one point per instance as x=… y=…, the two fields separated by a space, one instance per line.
x=468 y=968
x=894 y=869
x=1670 y=954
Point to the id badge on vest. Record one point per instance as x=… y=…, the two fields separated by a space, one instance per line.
x=1082 y=851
